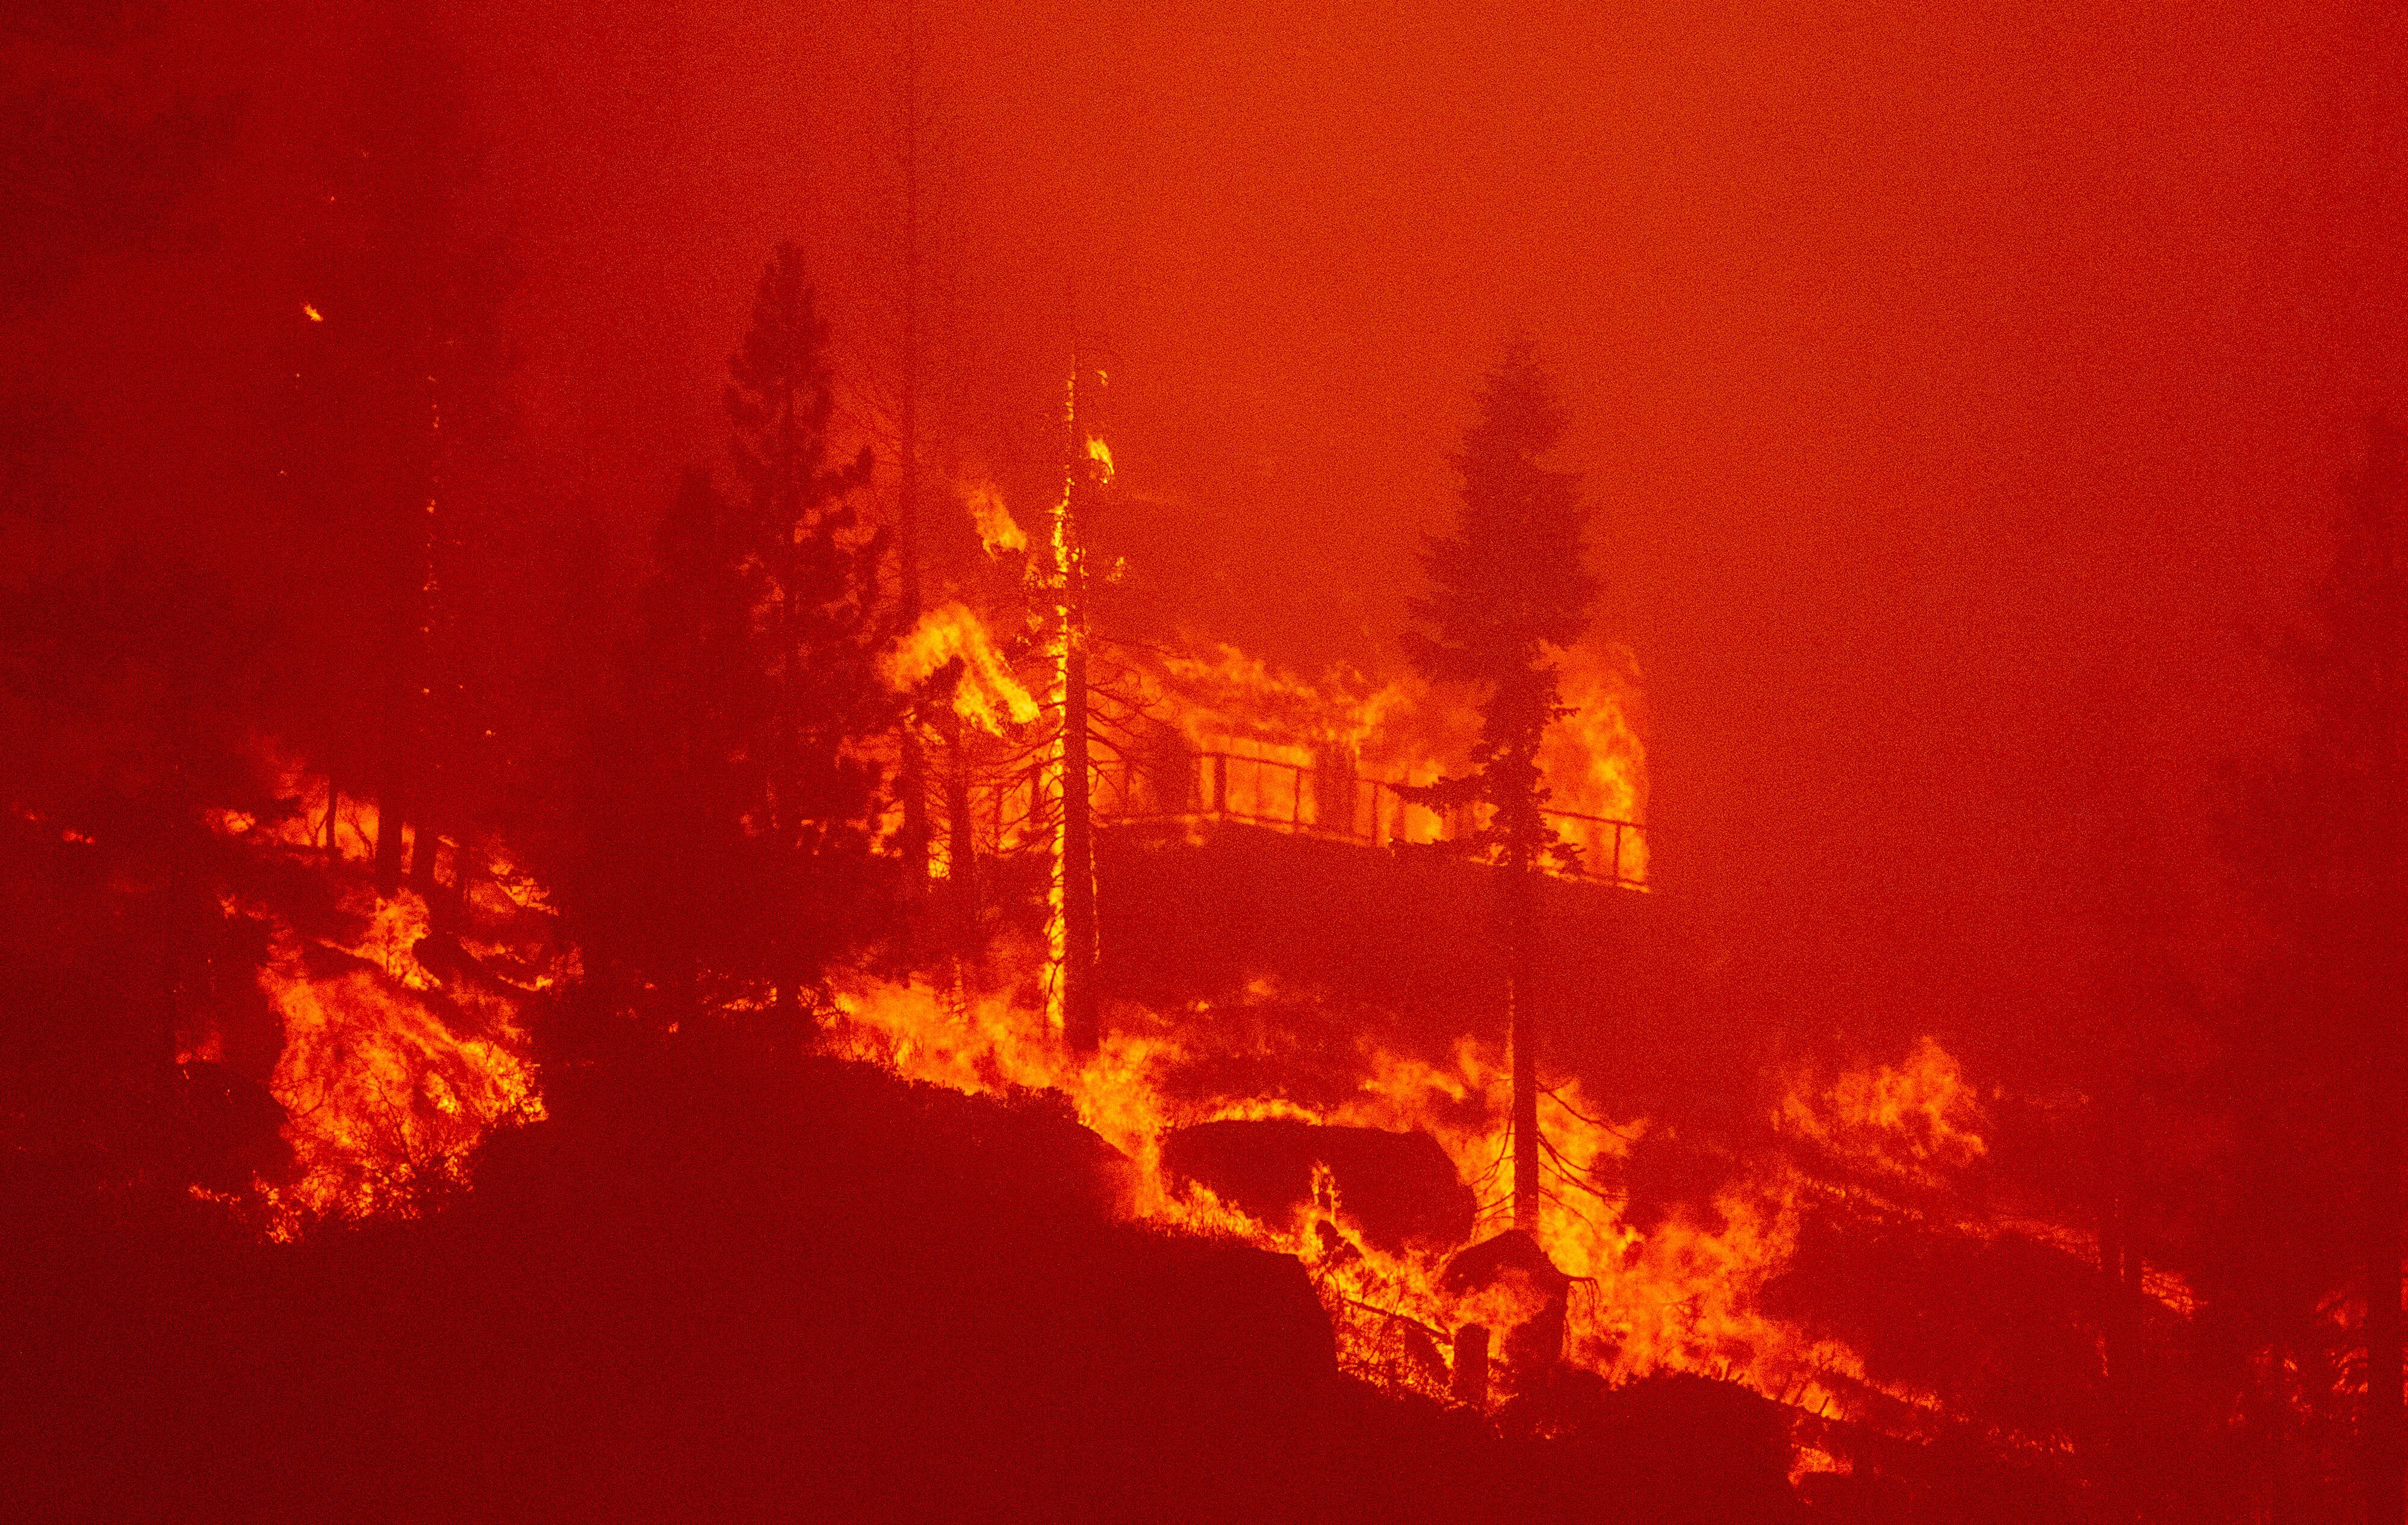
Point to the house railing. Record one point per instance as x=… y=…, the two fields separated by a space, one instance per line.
x=1301 y=800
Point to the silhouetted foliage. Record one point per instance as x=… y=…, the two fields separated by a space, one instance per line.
x=724 y=1280
x=823 y=624
x=2315 y=1066
x=663 y=870
x=122 y=932
x=1509 y=581
x=730 y=800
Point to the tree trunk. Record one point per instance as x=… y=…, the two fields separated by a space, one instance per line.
x=1080 y=1023
x=388 y=841
x=424 y=846
x=913 y=782
x=1522 y=1021
x=464 y=868
x=961 y=838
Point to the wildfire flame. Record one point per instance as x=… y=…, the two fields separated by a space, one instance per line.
x=1225 y=701
x=390 y=1072
x=1916 y=1120
x=989 y=695
x=385 y=1096
x=996 y=530
x=1685 y=1295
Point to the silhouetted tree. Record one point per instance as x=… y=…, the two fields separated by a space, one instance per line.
x=823 y=624
x=394 y=307
x=1510 y=587
x=2317 y=1062
x=666 y=879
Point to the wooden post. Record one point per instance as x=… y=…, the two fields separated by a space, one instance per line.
x=1470 y=1383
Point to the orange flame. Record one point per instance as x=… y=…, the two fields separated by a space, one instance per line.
x=997 y=531
x=1342 y=730
x=989 y=696
x=1684 y=1296
x=390 y=1073
x=1914 y=1121
x=384 y=1096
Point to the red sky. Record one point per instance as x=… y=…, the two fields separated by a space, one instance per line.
x=1962 y=386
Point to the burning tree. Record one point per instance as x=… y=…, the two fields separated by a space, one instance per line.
x=1509 y=591
x=1071 y=926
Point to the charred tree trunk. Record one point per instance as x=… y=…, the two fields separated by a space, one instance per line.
x=464 y=868
x=961 y=837
x=388 y=839
x=2385 y=1425
x=1082 y=1023
x=1522 y=1021
x=424 y=846
x=2117 y=1312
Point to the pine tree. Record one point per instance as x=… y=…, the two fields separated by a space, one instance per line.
x=822 y=623
x=1509 y=588
x=671 y=883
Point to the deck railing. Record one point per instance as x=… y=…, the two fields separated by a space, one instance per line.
x=1304 y=800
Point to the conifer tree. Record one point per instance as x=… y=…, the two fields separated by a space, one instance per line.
x=822 y=625
x=670 y=883
x=395 y=386
x=1509 y=588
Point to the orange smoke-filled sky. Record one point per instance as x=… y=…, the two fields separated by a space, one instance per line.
x=1963 y=387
